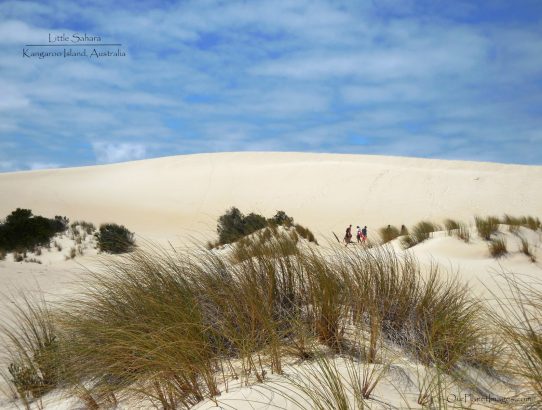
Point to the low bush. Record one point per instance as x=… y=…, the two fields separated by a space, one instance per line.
x=281 y=218
x=486 y=226
x=113 y=238
x=24 y=231
x=234 y=225
x=389 y=233
x=420 y=232
x=497 y=247
x=2 y=255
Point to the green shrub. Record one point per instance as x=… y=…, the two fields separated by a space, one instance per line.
x=281 y=218
x=420 y=232
x=113 y=238
x=24 y=231
x=233 y=225
x=486 y=226
x=389 y=233
x=253 y=222
x=497 y=247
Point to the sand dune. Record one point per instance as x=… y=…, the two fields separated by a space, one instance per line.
x=182 y=196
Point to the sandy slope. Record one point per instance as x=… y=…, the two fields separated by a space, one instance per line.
x=182 y=196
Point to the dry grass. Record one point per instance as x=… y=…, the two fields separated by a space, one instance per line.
x=389 y=233
x=166 y=326
x=451 y=225
x=419 y=233
x=520 y=324
x=486 y=226
x=529 y=222
x=31 y=348
x=527 y=249
x=497 y=247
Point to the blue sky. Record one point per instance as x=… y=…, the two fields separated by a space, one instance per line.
x=435 y=79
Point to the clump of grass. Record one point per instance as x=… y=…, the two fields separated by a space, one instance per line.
x=87 y=227
x=497 y=247
x=463 y=233
x=72 y=253
x=2 y=254
x=33 y=260
x=528 y=222
x=420 y=232
x=18 y=257
x=139 y=327
x=520 y=320
x=31 y=348
x=451 y=225
x=389 y=233
x=526 y=249
x=487 y=226
x=58 y=246
x=305 y=233
x=327 y=383
x=433 y=317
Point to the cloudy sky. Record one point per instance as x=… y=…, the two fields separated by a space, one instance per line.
x=428 y=78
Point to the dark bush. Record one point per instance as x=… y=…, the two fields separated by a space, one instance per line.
x=231 y=226
x=113 y=238
x=24 y=231
x=281 y=218
x=253 y=222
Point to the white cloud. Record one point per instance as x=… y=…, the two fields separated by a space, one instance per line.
x=107 y=152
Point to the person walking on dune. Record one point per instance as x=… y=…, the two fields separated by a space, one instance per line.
x=358 y=234
x=348 y=235
x=364 y=235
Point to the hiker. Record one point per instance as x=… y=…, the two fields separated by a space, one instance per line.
x=358 y=234
x=348 y=235
x=364 y=234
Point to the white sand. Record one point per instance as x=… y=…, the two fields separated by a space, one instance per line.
x=180 y=198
